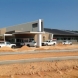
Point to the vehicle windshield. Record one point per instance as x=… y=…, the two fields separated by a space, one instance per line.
x=8 y=43
x=33 y=41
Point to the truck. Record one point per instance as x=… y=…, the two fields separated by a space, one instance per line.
x=49 y=43
x=29 y=42
x=7 y=44
x=67 y=42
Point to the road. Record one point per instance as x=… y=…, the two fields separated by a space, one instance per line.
x=38 y=60
x=34 y=52
x=37 y=56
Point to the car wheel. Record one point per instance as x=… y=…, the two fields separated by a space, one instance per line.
x=28 y=45
x=13 y=46
x=54 y=44
x=71 y=44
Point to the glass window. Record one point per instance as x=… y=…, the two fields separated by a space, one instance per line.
x=18 y=40
x=25 y=40
x=68 y=38
x=34 y=25
x=8 y=43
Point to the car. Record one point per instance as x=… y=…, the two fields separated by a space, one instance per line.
x=29 y=44
x=49 y=43
x=8 y=44
x=67 y=42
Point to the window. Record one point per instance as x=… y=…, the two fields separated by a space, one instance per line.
x=64 y=38
x=8 y=43
x=18 y=40
x=35 y=25
x=68 y=38
x=25 y=40
x=31 y=39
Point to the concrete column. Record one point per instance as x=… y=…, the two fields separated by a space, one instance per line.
x=4 y=38
x=39 y=36
x=52 y=37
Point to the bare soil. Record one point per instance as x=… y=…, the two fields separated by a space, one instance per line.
x=6 y=49
x=25 y=48
x=57 y=69
x=57 y=47
x=37 y=55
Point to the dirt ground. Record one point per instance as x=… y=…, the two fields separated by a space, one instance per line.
x=57 y=69
x=37 y=55
x=25 y=48
x=58 y=47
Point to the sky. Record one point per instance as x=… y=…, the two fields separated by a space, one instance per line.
x=56 y=14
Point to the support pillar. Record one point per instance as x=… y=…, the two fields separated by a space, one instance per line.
x=4 y=38
x=52 y=37
x=39 y=36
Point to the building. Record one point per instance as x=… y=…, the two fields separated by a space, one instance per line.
x=34 y=30
x=61 y=35
x=18 y=33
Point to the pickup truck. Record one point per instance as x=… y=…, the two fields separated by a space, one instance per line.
x=67 y=42
x=49 y=43
x=29 y=44
x=8 y=44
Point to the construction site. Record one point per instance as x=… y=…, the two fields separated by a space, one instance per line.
x=51 y=61
x=46 y=61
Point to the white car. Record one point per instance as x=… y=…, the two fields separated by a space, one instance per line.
x=8 y=44
x=30 y=44
x=67 y=42
x=49 y=43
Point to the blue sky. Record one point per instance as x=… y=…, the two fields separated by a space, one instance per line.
x=57 y=14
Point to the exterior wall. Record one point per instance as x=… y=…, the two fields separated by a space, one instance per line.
x=31 y=26
x=74 y=41
x=44 y=37
x=59 y=38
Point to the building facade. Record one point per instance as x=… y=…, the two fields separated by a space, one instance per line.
x=61 y=35
x=31 y=30
x=23 y=32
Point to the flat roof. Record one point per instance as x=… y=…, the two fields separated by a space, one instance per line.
x=29 y=32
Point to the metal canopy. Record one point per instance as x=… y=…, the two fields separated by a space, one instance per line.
x=29 y=33
x=8 y=34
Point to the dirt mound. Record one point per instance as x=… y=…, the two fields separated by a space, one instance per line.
x=24 y=48
x=6 y=49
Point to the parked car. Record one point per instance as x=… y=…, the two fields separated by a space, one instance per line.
x=49 y=43
x=30 y=44
x=8 y=44
x=67 y=42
